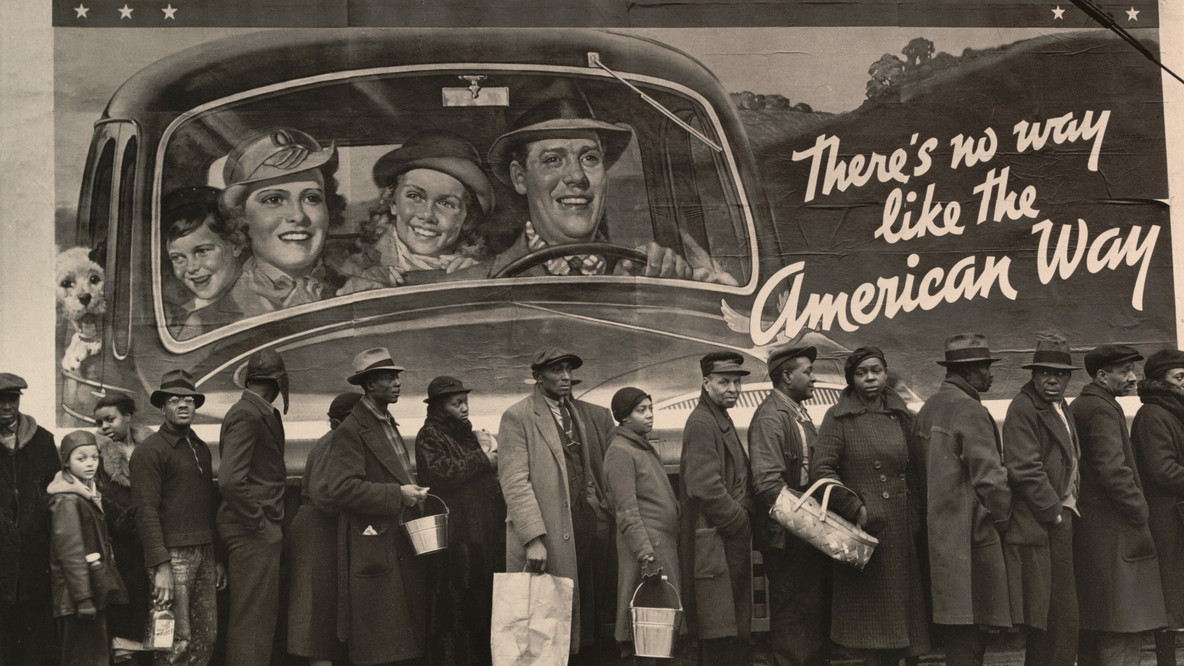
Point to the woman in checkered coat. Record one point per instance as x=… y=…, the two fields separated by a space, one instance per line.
x=864 y=441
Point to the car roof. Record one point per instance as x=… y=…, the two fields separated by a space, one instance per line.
x=221 y=68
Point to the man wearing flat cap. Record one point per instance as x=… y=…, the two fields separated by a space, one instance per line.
x=551 y=450
x=251 y=476
x=968 y=502
x=1041 y=453
x=28 y=462
x=176 y=500
x=1114 y=556
x=715 y=525
x=557 y=154
x=368 y=475
x=780 y=441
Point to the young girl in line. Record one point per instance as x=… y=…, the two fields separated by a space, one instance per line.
x=81 y=570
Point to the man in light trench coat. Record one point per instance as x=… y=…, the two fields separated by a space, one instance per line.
x=968 y=502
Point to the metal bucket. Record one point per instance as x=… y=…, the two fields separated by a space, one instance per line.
x=429 y=533
x=655 y=628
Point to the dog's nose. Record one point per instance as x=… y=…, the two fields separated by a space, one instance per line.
x=84 y=299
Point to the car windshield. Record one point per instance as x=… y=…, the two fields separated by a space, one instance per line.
x=263 y=243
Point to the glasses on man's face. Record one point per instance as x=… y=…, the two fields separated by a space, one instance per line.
x=179 y=400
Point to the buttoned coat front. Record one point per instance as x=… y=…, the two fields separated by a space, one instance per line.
x=1038 y=452
x=969 y=503
x=1114 y=557
x=380 y=579
x=533 y=477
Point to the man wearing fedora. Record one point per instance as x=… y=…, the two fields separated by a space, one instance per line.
x=28 y=462
x=368 y=475
x=715 y=525
x=251 y=476
x=780 y=445
x=968 y=502
x=1118 y=585
x=557 y=154
x=1042 y=454
x=551 y=449
x=175 y=502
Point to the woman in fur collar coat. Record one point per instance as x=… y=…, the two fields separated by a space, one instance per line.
x=117 y=439
x=1158 y=436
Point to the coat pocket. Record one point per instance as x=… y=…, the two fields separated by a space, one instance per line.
x=710 y=560
x=984 y=533
x=1137 y=543
x=372 y=550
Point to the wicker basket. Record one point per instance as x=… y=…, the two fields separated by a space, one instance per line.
x=809 y=521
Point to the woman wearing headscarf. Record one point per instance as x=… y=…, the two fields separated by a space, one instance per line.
x=865 y=442
x=460 y=467
x=1157 y=435
x=312 y=552
x=118 y=437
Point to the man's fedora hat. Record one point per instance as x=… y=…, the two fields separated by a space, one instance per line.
x=1052 y=354
x=178 y=383
x=372 y=360
x=551 y=355
x=445 y=385
x=441 y=151
x=554 y=109
x=779 y=357
x=267 y=364
x=967 y=348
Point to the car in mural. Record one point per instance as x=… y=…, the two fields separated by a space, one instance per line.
x=686 y=180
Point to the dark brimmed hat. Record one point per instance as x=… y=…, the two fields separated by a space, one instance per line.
x=178 y=383
x=1161 y=361
x=625 y=400
x=271 y=154
x=342 y=405
x=1107 y=355
x=859 y=356
x=441 y=151
x=551 y=355
x=722 y=363
x=10 y=383
x=967 y=348
x=188 y=202
x=781 y=356
x=74 y=440
x=444 y=385
x=554 y=109
x=372 y=360
x=267 y=364
x=1051 y=353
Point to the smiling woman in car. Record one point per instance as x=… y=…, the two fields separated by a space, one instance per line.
x=434 y=197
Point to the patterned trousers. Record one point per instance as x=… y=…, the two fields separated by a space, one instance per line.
x=194 y=606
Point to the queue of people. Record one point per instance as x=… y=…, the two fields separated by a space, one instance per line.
x=1060 y=522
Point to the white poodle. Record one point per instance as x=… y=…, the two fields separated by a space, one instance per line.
x=82 y=301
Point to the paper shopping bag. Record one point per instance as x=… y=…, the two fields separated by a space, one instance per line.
x=531 y=619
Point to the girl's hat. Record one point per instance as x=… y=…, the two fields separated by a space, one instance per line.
x=626 y=400
x=73 y=441
x=444 y=385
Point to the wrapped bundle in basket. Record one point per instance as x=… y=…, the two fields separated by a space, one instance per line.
x=827 y=531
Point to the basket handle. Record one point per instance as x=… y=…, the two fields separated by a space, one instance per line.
x=830 y=485
x=666 y=582
x=446 y=509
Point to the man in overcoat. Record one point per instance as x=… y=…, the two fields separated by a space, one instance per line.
x=368 y=477
x=551 y=454
x=28 y=462
x=251 y=476
x=969 y=502
x=715 y=527
x=780 y=445
x=1041 y=453
x=1114 y=556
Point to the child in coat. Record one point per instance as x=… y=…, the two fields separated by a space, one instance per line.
x=82 y=572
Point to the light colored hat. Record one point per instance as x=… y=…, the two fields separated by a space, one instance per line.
x=372 y=360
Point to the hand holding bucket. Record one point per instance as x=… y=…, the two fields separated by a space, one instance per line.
x=429 y=533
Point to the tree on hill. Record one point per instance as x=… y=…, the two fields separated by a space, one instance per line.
x=889 y=73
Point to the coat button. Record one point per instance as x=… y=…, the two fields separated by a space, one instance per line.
x=883 y=478
x=566 y=536
x=876 y=464
x=885 y=494
x=565 y=504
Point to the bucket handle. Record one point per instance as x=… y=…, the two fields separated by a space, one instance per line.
x=446 y=510
x=830 y=485
x=666 y=582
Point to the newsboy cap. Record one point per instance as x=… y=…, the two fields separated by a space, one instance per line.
x=1106 y=355
x=722 y=363
x=551 y=355
x=967 y=348
x=781 y=356
x=268 y=364
x=1052 y=353
x=1161 y=361
x=10 y=383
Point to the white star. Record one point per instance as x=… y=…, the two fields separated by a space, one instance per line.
x=125 y=12
x=1132 y=14
x=170 y=12
x=81 y=11
x=1058 y=14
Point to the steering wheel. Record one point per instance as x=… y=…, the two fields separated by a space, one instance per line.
x=611 y=253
